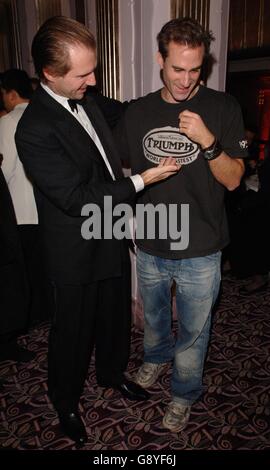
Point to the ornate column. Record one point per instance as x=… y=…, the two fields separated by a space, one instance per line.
x=197 y=9
x=108 y=47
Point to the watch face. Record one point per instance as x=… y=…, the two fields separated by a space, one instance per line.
x=209 y=154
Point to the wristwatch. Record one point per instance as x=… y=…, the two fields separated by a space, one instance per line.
x=212 y=152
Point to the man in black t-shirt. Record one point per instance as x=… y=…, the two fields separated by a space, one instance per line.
x=203 y=130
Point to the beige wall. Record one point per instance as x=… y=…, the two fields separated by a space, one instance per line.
x=219 y=24
x=139 y=23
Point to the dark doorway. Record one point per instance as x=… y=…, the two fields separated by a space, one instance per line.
x=252 y=90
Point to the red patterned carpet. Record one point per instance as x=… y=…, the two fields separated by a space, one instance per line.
x=233 y=414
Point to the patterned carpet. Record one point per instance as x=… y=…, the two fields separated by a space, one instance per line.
x=233 y=414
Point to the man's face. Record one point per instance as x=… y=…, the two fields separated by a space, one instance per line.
x=81 y=74
x=181 y=71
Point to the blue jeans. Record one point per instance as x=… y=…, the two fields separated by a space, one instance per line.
x=197 y=286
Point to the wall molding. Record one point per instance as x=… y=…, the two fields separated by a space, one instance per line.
x=108 y=47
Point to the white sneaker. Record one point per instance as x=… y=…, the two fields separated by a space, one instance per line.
x=148 y=373
x=176 y=416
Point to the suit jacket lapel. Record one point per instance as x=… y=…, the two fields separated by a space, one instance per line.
x=97 y=120
x=101 y=127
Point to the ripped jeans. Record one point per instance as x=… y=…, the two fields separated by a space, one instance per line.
x=197 y=286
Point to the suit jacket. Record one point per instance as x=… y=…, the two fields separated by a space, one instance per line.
x=112 y=109
x=68 y=172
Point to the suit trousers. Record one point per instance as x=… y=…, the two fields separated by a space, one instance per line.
x=96 y=314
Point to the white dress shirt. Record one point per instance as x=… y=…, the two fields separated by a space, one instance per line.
x=20 y=188
x=85 y=122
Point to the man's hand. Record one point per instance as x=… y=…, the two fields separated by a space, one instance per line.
x=166 y=168
x=192 y=125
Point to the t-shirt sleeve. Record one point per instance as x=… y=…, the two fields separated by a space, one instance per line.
x=233 y=139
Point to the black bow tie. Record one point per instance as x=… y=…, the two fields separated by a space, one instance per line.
x=73 y=104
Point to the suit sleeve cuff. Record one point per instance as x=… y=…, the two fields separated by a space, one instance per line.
x=138 y=182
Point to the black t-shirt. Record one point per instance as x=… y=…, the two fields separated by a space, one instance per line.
x=150 y=130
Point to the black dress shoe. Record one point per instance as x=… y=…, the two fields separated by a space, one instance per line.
x=132 y=391
x=72 y=425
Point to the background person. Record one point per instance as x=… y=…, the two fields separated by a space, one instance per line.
x=17 y=91
x=14 y=295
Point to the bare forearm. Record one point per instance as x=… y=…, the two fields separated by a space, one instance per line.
x=166 y=168
x=227 y=171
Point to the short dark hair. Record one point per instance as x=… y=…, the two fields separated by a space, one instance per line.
x=18 y=80
x=183 y=31
x=50 y=46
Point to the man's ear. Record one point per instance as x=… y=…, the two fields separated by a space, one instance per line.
x=160 y=60
x=13 y=96
x=48 y=74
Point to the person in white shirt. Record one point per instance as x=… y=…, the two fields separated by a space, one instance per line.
x=16 y=92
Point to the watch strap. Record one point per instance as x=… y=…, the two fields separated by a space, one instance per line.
x=212 y=152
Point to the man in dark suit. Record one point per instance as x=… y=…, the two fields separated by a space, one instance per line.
x=68 y=152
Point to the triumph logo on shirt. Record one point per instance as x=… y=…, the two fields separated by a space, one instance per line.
x=168 y=142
